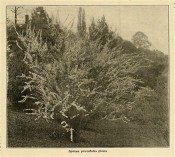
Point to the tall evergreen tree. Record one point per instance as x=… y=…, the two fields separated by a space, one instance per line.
x=83 y=22
x=81 y=26
x=40 y=21
x=40 y=18
x=79 y=20
x=100 y=31
x=92 y=30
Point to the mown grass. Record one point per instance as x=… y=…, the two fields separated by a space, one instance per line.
x=24 y=131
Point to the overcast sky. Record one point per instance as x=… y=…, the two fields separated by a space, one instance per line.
x=126 y=20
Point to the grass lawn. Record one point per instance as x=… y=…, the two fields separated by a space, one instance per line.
x=24 y=131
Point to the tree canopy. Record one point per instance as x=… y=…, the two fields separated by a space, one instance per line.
x=81 y=25
x=140 y=40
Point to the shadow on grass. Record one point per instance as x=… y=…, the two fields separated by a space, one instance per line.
x=24 y=131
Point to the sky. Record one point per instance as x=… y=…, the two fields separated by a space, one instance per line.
x=125 y=20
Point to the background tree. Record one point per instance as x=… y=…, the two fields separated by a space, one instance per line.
x=100 y=31
x=40 y=21
x=140 y=40
x=81 y=25
x=92 y=30
x=83 y=22
x=16 y=10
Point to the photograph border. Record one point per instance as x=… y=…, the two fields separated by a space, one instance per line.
x=93 y=6
x=170 y=48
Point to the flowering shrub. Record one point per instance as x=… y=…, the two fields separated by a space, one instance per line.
x=77 y=78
